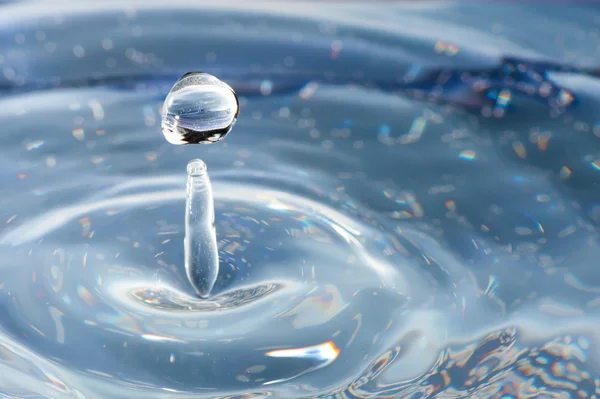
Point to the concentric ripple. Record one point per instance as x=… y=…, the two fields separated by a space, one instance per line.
x=279 y=313
x=373 y=244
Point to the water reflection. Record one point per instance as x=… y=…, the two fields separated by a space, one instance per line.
x=433 y=237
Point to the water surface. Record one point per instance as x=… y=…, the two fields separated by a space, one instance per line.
x=376 y=240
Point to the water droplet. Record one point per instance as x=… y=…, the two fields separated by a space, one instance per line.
x=200 y=109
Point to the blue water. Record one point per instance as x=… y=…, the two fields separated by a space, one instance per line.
x=407 y=206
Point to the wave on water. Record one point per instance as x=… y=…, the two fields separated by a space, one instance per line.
x=407 y=206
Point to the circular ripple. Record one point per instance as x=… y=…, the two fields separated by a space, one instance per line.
x=93 y=300
x=296 y=292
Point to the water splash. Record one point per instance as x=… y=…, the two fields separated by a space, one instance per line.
x=200 y=109
x=201 y=251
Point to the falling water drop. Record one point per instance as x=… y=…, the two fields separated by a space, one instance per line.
x=200 y=243
x=200 y=109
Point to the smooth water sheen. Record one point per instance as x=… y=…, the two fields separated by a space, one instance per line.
x=408 y=207
x=199 y=109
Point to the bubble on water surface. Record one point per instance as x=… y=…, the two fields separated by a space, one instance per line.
x=200 y=109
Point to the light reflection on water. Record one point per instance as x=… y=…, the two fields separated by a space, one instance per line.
x=376 y=241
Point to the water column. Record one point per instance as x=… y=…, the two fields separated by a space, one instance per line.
x=200 y=243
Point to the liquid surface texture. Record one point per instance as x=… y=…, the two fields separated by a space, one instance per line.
x=408 y=207
x=199 y=109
